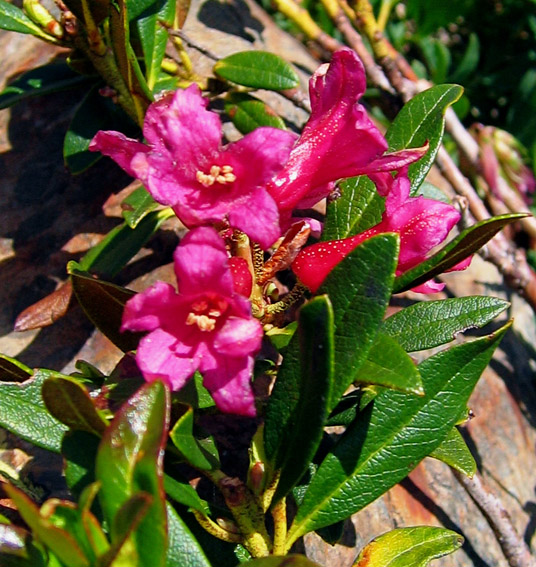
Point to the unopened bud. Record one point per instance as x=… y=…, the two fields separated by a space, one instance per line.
x=42 y=17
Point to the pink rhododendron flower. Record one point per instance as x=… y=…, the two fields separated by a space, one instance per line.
x=207 y=326
x=185 y=166
x=421 y=223
x=338 y=141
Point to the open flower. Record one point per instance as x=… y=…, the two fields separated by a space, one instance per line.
x=421 y=223
x=338 y=141
x=185 y=166
x=207 y=326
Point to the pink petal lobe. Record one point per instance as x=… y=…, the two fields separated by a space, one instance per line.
x=201 y=263
x=239 y=337
x=117 y=146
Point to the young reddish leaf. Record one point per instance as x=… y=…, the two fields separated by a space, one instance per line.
x=11 y=370
x=47 y=310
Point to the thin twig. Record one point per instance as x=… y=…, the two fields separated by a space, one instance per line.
x=513 y=546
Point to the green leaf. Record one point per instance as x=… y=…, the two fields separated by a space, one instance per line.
x=182 y=543
x=422 y=120
x=455 y=453
x=11 y=370
x=120 y=245
x=137 y=206
x=79 y=449
x=257 y=69
x=359 y=207
x=191 y=450
x=103 y=303
x=392 y=435
x=280 y=336
x=69 y=402
x=247 y=113
x=359 y=288
x=286 y=561
x=50 y=78
x=14 y=19
x=17 y=548
x=432 y=323
x=298 y=407
x=468 y=242
x=151 y=26
x=23 y=412
x=60 y=541
x=183 y=493
x=388 y=365
x=409 y=546
x=129 y=462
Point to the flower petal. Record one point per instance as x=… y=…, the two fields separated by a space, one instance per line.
x=117 y=146
x=239 y=337
x=149 y=309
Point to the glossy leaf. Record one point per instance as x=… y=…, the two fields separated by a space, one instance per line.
x=17 y=548
x=11 y=370
x=182 y=436
x=298 y=407
x=257 y=69
x=137 y=206
x=129 y=462
x=14 y=19
x=69 y=402
x=183 y=493
x=182 y=543
x=428 y=324
x=60 y=541
x=359 y=288
x=50 y=78
x=392 y=435
x=415 y=546
x=247 y=113
x=79 y=449
x=467 y=243
x=422 y=120
x=103 y=303
x=455 y=453
x=120 y=245
x=290 y=560
x=358 y=208
x=151 y=26
x=389 y=366
x=23 y=412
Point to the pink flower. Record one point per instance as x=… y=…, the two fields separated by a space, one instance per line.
x=185 y=166
x=338 y=141
x=206 y=326
x=421 y=223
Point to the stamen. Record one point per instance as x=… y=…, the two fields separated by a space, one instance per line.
x=203 y=322
x=217 y=174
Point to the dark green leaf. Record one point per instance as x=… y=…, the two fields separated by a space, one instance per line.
x=183 y=548
x=392 y=435
x=432 y=323
x=422 y=120
x=112 y=253
x=359 y=207
x=469 y=63
x=455 y=453
x=280 y=337
x=248 y=113
x=137 y=206
x=69 y=402
x=194 y=393
x=129 y=462
x=23 y=412
x=409 y=546
x=298 y=407
x=151 y=25
x=103 y=303
x=47 y=79
x=183 y=493
x=182 y=436
x=257 y=69
x=79 y=449
x=60 y=541
x=14 y=19
x=11 y=370
x=389 y=366
x=468 y=242
x=359 y=288
x=17 y=548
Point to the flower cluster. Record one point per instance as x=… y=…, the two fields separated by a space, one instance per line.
x=254 y=185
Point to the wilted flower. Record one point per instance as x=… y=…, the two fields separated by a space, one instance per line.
x=207 y=326
x=421 y=223
x=185 y=166
x=338 y=141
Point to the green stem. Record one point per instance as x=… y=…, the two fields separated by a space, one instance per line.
x=279 y=514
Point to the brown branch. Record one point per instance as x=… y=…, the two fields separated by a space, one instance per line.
x=513 y=546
